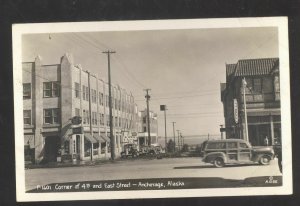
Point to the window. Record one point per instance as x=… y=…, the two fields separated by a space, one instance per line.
x=94 y=96
x=116 y=121
x=87 y=94
x=144 y=120
x=257 y=85
x=101 y=116
x=231 y=145
x=145 y=129
x=77 y=90
x=51 y=89
x=27 y=91
x=107 y=120
x=27 y=117
x=101 y=98
x=267 y=85
x=94 y=118
x=86 y=117
x=83 y=92
x=51 y=116
x=216 y=145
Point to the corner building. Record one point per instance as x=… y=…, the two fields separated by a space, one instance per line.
x=262 y=101
x=54 y=94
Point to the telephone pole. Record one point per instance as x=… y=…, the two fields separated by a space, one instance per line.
x=164 y=108
x=148 y=115
x=174 y=136
x=178 y=139
x=112 y=139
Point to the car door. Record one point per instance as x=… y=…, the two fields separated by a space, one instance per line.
x=244 y=152
x=232 y=151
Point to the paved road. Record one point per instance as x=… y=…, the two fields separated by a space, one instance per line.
x=142 y=168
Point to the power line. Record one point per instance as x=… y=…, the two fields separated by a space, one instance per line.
x=178 y=97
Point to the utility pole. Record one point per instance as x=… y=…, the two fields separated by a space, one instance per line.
x=174 y=136
x=148 y=115
x=164 y=108
x=112 y=139
x=90 y=112
x=178 y=139
x=245 y=108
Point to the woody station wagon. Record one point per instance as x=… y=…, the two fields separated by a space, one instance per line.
x=234 y=151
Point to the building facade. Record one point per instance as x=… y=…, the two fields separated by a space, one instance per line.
x=262 y=95
x=143 y=133
x=54 y=94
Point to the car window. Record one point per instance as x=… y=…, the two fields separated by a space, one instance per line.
x=243 y=145
x=231 y=145
x=216 y=145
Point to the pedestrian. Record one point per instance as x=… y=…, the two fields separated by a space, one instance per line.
x=266 y=141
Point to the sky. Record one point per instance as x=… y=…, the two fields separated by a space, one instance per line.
x=183 y=68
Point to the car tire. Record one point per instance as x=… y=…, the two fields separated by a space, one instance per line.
x=264 y=160
x=219 y=162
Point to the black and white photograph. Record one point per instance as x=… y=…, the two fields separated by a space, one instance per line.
x=151 y=109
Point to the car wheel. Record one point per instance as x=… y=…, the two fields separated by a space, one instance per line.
x=219 y=162
x=265 y=160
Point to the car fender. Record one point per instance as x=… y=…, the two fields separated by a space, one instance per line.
x=257 y=157
x=210 y=157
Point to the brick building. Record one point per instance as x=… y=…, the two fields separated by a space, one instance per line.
x=262 y=100
x=54 y=94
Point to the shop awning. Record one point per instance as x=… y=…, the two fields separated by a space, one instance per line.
x=105 y=138
x=97 y=137
x=89 y=137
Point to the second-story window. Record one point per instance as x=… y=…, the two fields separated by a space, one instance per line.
x=51 y=116
x=94 y=96
x=77 y=90
x=83 y=92
x=51 y=89
x=100 y=98
x=27 y=91
x=257 y=85
x=87 y=94
x=27 y=117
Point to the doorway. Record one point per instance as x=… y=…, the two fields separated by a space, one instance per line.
x=51 y=148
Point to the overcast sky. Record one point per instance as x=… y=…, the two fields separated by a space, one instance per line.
x=183 y=68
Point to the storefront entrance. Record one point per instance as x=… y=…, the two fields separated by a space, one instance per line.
x=51 y=148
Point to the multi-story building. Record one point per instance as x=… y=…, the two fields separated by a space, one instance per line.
x=54 y=94
x=262 y=94
x=143 y=133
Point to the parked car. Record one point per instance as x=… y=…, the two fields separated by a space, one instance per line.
x=234 y=151
x=130 y=150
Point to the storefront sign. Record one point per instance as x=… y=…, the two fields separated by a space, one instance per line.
x=77 y=130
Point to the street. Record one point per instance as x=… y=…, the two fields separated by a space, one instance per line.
x=144 y=169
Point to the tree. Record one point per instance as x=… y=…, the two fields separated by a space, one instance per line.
x=185 y=148
x=170 y=146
